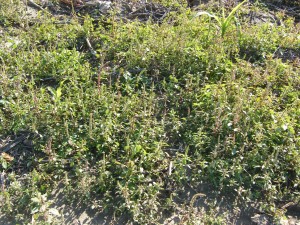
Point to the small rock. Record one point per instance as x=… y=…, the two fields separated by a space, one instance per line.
x=102 y=6
x=260 y=219
x=284 y=221
x=293 y=221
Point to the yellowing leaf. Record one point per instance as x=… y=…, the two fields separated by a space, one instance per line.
x=7 y=157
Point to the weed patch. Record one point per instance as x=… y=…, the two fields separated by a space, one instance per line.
x=125 y=114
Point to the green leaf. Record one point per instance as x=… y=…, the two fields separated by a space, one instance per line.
x=35 y=210
x=210 y=15
x=230 y=16
x=58 y=93
x=35 y=199
x=4 y=164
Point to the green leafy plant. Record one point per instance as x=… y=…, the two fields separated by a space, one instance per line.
x=223 y=22
x=161 y=109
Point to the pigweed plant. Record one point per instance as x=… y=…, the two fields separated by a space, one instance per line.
x=154 y=110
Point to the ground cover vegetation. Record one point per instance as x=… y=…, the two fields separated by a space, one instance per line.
x=125 y=113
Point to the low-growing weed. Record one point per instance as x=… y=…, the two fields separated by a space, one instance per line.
x=152 y=108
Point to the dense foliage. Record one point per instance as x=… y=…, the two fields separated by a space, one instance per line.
x=158 y=106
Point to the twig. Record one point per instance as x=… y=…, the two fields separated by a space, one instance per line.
x=34 y=5
x=2 y=181
x=13 y=144
x=170 y=168
x=288 y=205
x=93 y=52
x=198 y=195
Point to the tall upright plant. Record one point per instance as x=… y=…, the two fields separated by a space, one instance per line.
x=223 y=22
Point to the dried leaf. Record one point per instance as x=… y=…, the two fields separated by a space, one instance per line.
x=54 y=212
x=7 y=157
